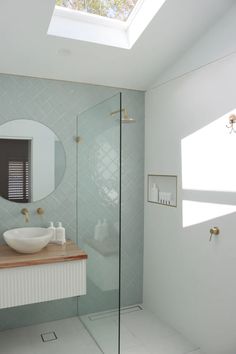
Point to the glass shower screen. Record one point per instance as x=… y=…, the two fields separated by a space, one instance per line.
x=98 y=215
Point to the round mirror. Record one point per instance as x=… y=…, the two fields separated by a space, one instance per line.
x=32 y=161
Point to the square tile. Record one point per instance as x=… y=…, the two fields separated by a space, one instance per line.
x=141 y=333
x=72 y=337
x=171 y=345
x=145 y=325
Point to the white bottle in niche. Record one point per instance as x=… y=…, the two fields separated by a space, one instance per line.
x=154 y=193
x=60 y=234
x=165 y=197
x=169 y=198
x=53 y=230
x=161 y=197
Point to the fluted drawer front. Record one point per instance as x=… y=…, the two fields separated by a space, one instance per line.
x=32 y=284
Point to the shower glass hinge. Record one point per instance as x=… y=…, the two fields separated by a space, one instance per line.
x=78 y=139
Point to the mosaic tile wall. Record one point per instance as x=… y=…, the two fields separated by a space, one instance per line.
x=56 y=104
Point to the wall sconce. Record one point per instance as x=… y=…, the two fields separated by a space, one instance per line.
x=232 y=121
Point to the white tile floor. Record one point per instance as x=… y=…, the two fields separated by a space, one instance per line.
x=141 y=333
x=72 y=339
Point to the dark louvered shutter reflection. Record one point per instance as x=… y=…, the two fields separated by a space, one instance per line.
x=18 y=181
x=15 y=169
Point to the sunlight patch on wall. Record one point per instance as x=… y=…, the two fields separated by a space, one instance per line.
x=198 y=212
x=208 y=166
x=208 y=158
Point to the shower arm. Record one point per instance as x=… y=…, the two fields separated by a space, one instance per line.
x=125 y=118
x=118 y=111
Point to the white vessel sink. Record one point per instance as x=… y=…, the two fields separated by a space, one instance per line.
x=28 y=239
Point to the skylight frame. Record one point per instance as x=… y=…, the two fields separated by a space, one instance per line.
x=79 y=25
x=134 y=10
x=75 y=15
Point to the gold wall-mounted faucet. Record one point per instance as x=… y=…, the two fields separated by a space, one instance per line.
x=40 y=211
x=25 y=212
x=214 y=231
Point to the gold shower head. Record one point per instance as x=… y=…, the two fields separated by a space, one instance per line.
x=125 y=117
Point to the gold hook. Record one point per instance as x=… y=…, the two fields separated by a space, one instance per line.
x=232 y=121
x=214 y=231
x=78 y=139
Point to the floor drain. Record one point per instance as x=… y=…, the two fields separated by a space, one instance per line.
x=49 y=336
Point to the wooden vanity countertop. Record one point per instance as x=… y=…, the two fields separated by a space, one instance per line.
x=52 y=253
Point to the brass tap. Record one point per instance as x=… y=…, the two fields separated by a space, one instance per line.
x=40 y=211
x=25 y=212
x=214 y=231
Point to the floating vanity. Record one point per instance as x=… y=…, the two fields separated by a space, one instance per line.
x=54 y=273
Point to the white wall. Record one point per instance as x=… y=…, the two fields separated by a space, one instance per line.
x=216 y=43
x=189 y=282
x=42 y=153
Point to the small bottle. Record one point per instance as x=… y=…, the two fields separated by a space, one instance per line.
x=160 y=197
x=60 y=234
x=105 y=229
x=164 y=198
x=53 y=231
x=169 y=198
x=98 y=231
x=154 y=193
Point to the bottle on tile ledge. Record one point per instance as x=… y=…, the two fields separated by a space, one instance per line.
x=105 y=229
x=60 y=234
x=101 y=231
x=98 y=231
x=53 y=231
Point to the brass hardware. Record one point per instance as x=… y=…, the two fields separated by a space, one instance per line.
x=126 y=118
x=40 y=211
x=78 y=139
x=214 y=231
x=25 y=212
x=232 y=121
x=118 y=111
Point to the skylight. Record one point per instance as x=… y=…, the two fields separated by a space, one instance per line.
x=116 y=9
x=116 y=23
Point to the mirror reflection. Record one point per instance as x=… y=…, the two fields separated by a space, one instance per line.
x=32 y=161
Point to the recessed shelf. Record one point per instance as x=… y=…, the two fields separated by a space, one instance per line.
x=162 y=190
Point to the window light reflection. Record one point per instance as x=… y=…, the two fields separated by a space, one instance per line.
x=208 y=164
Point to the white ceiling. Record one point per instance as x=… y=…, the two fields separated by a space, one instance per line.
x=26 y=49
